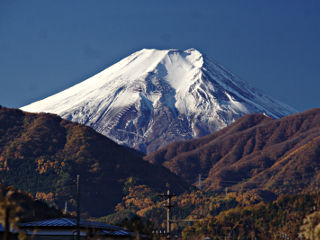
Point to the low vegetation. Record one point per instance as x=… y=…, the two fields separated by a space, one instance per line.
x=198 y=214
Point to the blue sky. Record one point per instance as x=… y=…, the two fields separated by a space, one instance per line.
x=49 y=45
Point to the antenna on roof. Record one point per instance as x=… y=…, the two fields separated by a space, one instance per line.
x=65 y=211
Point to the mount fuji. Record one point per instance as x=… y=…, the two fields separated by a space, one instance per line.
x=154 y=97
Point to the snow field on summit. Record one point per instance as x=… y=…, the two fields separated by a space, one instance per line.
x=154 y=97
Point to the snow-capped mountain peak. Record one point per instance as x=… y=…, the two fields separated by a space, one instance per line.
x=154 y=97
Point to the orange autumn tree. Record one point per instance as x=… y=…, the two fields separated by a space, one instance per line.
x=9 y=207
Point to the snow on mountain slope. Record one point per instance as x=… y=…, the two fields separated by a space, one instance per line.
x=154 y=97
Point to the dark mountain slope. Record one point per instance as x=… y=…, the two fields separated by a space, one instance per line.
x=253 y=152
x=42 y=154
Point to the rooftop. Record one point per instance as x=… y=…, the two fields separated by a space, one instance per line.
x=71 y=222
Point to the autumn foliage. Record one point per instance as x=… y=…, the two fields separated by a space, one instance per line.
x=42 y=154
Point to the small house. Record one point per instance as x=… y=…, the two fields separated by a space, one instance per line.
x=66 y=229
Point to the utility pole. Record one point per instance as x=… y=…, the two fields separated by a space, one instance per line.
x=199 y=181
x=78 y=207
x=168 y=207
x=6 y=223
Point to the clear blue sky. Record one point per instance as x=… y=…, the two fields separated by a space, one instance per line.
x=49 y=45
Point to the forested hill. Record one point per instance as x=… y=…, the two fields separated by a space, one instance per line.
x=254 y=152
x=42 y=154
